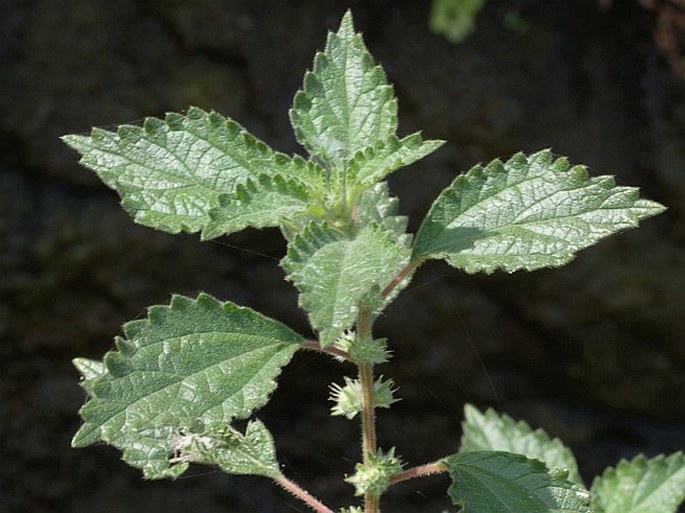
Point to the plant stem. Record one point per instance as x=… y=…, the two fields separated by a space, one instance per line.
x=297 y=491
x=420 y=471
x=315 y=346
x=368 y=413
x=401 y=276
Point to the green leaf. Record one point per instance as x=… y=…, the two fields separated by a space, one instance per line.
x=259 y=204
x=91 y=370
x=335 y=272
x=376 y=206
x=641 y=486
x=502 y=482
x=170 y=173
x=527 y=213
x=372 y=164
x=193 y=366
x=232 y=451
x=493 y=432
x=345 y=104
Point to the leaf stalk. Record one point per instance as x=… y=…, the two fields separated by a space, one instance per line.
x=410 y=267
x=313 y=345
x=302 y=494
x=427 y=469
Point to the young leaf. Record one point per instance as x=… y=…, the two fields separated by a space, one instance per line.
x=345 y=104
x=527 y=213
x=502 y=482
x=170 y=173
x=493 y=432
x=641 y=486
x=259 y=204
x=193 y=365
x=334 y=272
x=373 y=164
x=376 y=206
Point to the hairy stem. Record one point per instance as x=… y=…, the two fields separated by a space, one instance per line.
x=420 y=471
x=368 y=413
x=303 y=495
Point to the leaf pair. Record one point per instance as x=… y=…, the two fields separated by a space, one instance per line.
x=507 y=467
x=202 y=172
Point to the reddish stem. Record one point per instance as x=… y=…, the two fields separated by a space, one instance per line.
x=401 y=276
x=368 y=413
x=315 y=346
x=420 y=471
x=303 y=495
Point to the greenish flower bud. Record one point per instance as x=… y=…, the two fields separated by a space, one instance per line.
x=348 y=398
x=374 y=477
x=364 y=349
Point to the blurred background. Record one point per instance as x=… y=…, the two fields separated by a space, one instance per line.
x=593 y=352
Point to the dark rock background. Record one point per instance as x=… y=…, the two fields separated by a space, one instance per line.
x=593 y=352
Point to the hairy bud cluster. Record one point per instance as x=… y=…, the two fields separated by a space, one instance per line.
x=364 y=349
x=348 y=398
x=374 y=477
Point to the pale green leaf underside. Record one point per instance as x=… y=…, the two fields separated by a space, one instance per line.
x=170 y=173
x=252 y=452
x=641 y=486
x=195 y=365
x=527 y=213
x=492 y=432
x=258 y=204
x=377 y=207
x=501 y=482
x=334 y=273
x=233 y=452
x=345 y=104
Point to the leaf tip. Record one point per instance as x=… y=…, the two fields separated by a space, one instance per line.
x=346 y=24
x=77 y=142
x=88 y=368
x=85 y=436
